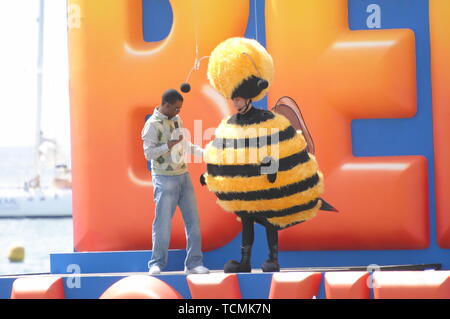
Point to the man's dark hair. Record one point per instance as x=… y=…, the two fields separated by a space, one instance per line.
x=171 y=96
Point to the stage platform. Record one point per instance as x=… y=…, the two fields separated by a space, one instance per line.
x=89 y=275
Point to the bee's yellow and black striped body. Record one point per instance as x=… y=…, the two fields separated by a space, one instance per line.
x=234 y=169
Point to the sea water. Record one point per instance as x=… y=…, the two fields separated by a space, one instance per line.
x=16 y=166
x=39 y=236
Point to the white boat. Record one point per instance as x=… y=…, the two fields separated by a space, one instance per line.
x=52 y=198
x=50 y=202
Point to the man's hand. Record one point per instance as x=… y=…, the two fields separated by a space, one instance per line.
x=172 y=143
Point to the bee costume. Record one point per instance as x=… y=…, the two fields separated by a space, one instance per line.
x=258 y=165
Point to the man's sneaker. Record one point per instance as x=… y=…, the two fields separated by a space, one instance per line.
x=197 y=270
x=154 y=270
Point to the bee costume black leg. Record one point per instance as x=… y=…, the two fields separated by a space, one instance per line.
x=271 y=264
x=233 y=266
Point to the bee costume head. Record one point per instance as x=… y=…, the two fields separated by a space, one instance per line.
x=240 y=67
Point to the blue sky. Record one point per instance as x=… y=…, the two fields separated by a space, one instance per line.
x=18 y=75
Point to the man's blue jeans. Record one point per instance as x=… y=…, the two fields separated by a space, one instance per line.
x=170 y=192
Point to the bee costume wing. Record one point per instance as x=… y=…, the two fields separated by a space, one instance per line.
x=287 y=107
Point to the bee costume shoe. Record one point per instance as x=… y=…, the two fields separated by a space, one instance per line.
x=233 y=266
x=271 y=264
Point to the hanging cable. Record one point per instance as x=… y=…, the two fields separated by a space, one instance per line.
x=256 y=20
x=185 y=87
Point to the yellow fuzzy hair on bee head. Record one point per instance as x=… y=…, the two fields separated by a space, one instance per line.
x=240 y=67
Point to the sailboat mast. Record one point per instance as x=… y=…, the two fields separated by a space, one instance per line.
x=40 y=57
